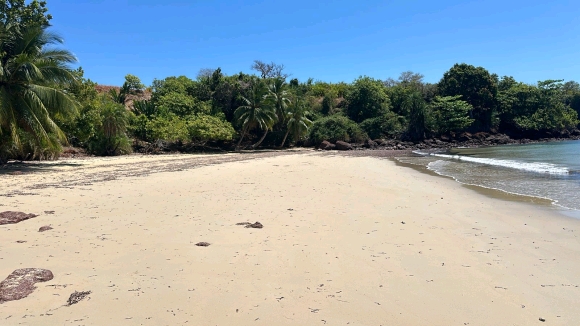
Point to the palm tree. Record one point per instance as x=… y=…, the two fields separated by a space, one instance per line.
x=114 y=125
x=255 y=112
x=278 y=95
x=30 y=76
x=298 y=122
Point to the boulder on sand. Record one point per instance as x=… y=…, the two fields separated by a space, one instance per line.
x=21 y=282
x=343 y=146
x=326 y=145
x=14 y=217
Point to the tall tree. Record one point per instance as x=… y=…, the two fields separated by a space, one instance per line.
x=297 y=117
x=366 y=99
x=269 y=70
x=32 y=75
x=17 y=12
x=477 y=87
x=279 y=97
x=255 y=112
x=415 y=105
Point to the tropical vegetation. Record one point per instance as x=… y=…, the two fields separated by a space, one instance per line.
x=45 y=104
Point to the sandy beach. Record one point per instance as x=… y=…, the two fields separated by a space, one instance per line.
x=346 y=241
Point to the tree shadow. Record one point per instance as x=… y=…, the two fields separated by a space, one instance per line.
x=19 y=167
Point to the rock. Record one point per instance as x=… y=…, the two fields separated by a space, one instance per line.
x=21 y=282
x=370 y=144
x=542 y=320
x=464 y=136
x=326 y=145
x=14 y=217
x=243 y=223
x=45 y=228
x=203 y=244
x=256 y=225
x=343 y=146
x=380 y=142
x=76 y=297
x=575 y=132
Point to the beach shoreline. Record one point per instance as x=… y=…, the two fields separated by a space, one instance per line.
x=346 y=239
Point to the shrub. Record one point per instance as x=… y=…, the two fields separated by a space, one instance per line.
x=334 y=128
x=389 y=125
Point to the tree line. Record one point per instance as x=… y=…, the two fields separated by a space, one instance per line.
x=45 y=104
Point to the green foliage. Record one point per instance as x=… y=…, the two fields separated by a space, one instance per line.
x=145 y=108
x=298 y=122
x=535 y=108
x=366 y=99
x=256 y=110
x=110 y=136
x=477 y=87
x=334 y=128
x=168 y=127
x=450 y=114
x=203 y=128
x=32 y=74
x=416 y=106
x=182 y=104
x=551 y=113
x=388 y=125
x=132 y=85
x=17 y=12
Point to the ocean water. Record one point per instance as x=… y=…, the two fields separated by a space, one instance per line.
x=547 y=170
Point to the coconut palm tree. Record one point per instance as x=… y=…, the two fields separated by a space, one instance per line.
x=298 y=122
x=30 y=75
x=278 y=95
x=256 y=112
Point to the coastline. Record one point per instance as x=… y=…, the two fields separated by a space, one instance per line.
x=334 y=248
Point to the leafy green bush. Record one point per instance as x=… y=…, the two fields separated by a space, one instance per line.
x=168 y=127
x=203 y=128
x=334 y=128
x=389 y=124
x=450 y=114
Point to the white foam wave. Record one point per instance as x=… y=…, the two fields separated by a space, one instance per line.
x=537 y=167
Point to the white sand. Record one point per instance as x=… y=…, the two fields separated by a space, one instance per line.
x=333 y=249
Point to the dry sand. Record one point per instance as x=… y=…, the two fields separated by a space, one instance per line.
x=346 y=241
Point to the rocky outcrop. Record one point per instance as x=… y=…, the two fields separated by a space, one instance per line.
x=21 y=282
x=14 y=217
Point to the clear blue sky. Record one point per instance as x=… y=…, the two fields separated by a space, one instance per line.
x=327 y=40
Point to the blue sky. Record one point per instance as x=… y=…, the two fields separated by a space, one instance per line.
x=326 y=40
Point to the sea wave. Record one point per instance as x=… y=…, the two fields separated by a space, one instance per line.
x=537 y=167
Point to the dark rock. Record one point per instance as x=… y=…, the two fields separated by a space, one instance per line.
x=343 y=146
x=21 y=282
x=203 y=244
x=445 y=138
x=243 y=223
x=76 y=297
x=256 y=225
x=326 y=145
x=464 y=136
x=14 y=217
x=45 y=228
x=542 y=320
x=370 y=144
x=380 y=142
x=575 y=132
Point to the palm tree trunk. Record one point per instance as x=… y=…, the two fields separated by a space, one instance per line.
x=285 y=136
x=242 y=137
x=261 y=140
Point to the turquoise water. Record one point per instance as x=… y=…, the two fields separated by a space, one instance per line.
x=546 y=170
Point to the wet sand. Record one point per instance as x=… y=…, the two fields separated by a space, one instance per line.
x=346 y=240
